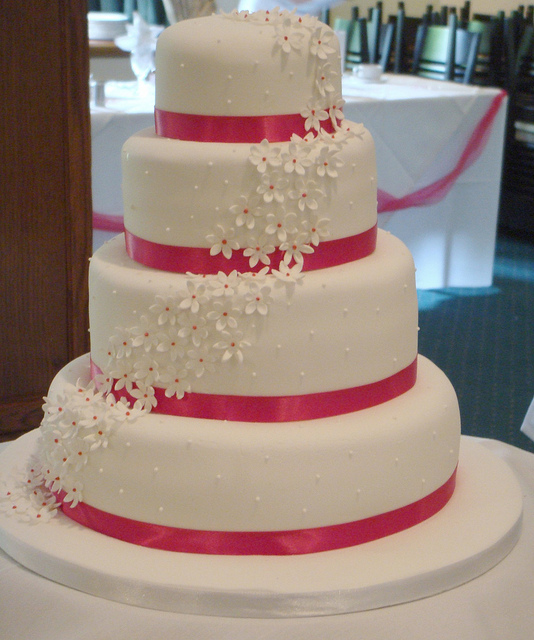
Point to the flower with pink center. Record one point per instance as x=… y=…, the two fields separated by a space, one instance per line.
x=224 y=315
x=171 y=343
x=296 y=248
x=314 y=115
x=200 y=361
x=222 y=241
x=224 y=285
x=194 y=298
x=232 y=344
x=272 y=188
x=146 y=370
x=259 y=250
x=74 y=494
x=258 y=299
x=287 y=37
x=281 y=224
x=296 y=159
x=307 y=194
x=246 y=211
x=144 y=335
x=193 y=328
x=336 y=111
x=145 y=394
x=166 y=308
x=175 y=381
x=317 y=230
x=264 y=155
x=328 y=162
x=322 y=43
x=289 y=275
x=324 y=80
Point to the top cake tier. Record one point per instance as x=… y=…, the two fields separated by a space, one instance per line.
x=247 y=65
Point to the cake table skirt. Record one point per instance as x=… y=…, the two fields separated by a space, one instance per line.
x=472 y=533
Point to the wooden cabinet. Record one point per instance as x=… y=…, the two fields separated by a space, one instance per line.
x=45 y=201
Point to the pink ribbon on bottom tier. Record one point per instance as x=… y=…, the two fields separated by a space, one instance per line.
x=264 y=543
x=311 y=406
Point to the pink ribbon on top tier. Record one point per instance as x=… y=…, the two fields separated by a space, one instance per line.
x=237 y=129
x=329 y=253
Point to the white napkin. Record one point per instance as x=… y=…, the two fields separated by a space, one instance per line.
x=139 y=35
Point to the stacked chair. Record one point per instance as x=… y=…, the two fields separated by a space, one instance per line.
x=452 y=44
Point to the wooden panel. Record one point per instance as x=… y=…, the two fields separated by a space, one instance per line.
x=45 y=200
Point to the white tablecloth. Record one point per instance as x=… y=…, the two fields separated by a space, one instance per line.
x=420 y=127
x=497 y=605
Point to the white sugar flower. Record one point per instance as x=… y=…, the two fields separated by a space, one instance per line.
x=324 y=79
x=336 y=111
x=314 y=115
x=258 y=299
x=121 y=343
x=222 y=241
x=296 y=158
x=74 y=494
x=194 y=297
x=200 y=361
x=146 y=370
x=287 y=37
x=294 y=249
x=259 y=251
x=192 y=328
x=224 y=315
x=123 y=412
x=272 y=188
x=144 y=335
x=256 y=276
x=104 y=382
x=171 y=343
x=175 y=381
x=246 y=211
x=321 y=43
x=287 y=274
x=264 y=155
x=307 y=194
x=328 y=162
x=145 y=395
x=122 y=372
x=224 y=285
x=165 y=309
x=232 y=345
x=281 y=224
x=317 y=230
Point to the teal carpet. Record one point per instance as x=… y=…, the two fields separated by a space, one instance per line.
x=483 y=339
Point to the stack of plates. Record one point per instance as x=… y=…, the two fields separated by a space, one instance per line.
x=106 y=26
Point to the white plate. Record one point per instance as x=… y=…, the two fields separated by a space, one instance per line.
x=477 y=528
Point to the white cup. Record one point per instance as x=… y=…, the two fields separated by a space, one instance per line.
x=368 y=72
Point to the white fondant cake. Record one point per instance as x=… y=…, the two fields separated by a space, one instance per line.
x=253 y=385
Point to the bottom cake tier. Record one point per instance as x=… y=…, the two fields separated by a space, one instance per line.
x=219 y=476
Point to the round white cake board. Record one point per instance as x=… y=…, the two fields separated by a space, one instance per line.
x=471 y=534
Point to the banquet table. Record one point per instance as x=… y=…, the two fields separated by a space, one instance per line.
x=496 y=605
x=439 y=159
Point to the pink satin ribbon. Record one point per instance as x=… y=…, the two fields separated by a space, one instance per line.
x=438 y=190
x=106 y=222
x=311 y=406
x=233 y=129
x=265 y=543
x=329 y=253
